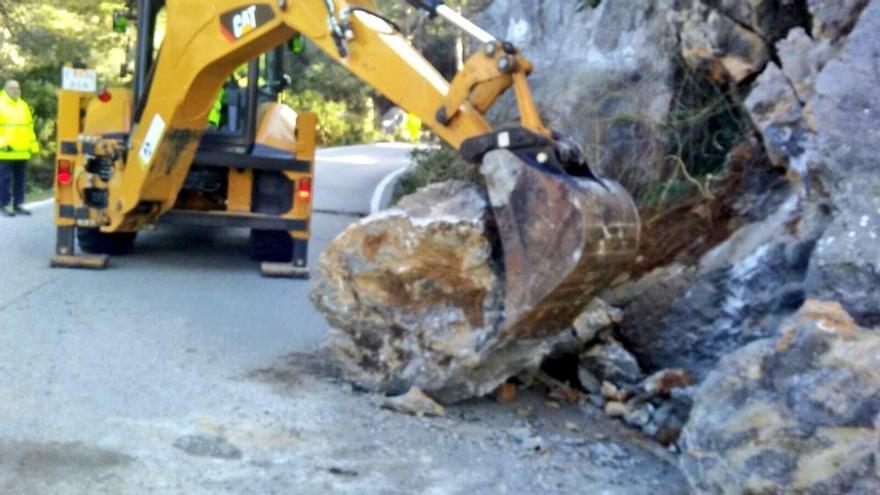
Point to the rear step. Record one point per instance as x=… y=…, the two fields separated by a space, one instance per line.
x=85 y=261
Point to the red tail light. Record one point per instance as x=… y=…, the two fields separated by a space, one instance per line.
x=65 y=174
x=304 y=190
x=105 y=96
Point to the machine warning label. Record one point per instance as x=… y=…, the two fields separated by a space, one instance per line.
x=152 y=140
x=236 y=24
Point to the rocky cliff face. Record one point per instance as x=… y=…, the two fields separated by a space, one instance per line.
x=728 y=289
x=780 y=406
x=804 y=71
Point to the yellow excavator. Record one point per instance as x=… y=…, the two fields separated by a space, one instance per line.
x=130 y=159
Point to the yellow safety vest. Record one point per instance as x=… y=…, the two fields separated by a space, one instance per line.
x=413 y=127
x=17 y=138
x=216 y=114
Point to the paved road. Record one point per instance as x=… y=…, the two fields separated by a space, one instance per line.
x=180 y=371
x=158 y=333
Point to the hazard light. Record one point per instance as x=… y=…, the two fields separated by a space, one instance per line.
x=304 y=190
x=65 y=174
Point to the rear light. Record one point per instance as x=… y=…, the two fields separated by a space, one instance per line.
x=304 y=190
x=65 y=174
x=105 y=96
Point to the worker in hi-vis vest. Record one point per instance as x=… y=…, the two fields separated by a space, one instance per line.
x=18 y=143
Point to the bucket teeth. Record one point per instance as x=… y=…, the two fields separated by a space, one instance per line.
x=563 y=238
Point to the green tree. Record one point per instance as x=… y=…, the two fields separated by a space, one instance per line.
x=37 y=38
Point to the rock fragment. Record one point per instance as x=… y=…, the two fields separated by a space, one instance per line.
x=597 y=316
x=613 y=393
x=612 y=362
x=588 y=381
x=506 y=393
x=714 y=42
x=615 y=409
x=663 y=381
x=214 y=446
x=414 y=402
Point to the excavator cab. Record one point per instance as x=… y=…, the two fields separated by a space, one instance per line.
x=253 y=170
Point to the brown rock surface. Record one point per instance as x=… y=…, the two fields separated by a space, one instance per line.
x=410 y=294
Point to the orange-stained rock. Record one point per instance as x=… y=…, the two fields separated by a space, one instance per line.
x=506 y=393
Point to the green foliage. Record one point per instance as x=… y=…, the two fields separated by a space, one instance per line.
x=344 y=104
x=705 y=122
x=337 y=124
x=348 y=109
x=435 y=165
x=37 y=37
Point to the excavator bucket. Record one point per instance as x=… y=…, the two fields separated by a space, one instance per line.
x=563 y=239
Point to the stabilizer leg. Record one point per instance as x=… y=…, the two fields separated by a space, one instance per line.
x=66 y=257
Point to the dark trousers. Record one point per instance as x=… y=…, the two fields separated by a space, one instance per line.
x=12 y=174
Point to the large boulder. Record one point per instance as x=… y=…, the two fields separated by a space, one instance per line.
x=420 y=295
x=415 y=298
x=411 y=294
x=799 y=413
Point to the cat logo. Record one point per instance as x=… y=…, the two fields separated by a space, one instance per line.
x=238 y=23
x=245 y=21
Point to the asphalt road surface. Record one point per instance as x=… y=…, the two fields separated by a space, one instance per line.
x=180 y=370
x=157 y=333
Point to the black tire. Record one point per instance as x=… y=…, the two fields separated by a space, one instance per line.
x=272 y=245
x=93 y=241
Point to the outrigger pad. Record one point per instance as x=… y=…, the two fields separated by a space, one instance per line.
x=564 y=238
x=283 y=270
x=85 y=261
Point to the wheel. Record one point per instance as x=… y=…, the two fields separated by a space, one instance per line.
x=93 y=241
x=271 y=245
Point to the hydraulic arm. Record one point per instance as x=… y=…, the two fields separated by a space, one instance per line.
x=564 y=231
x=206 y=40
